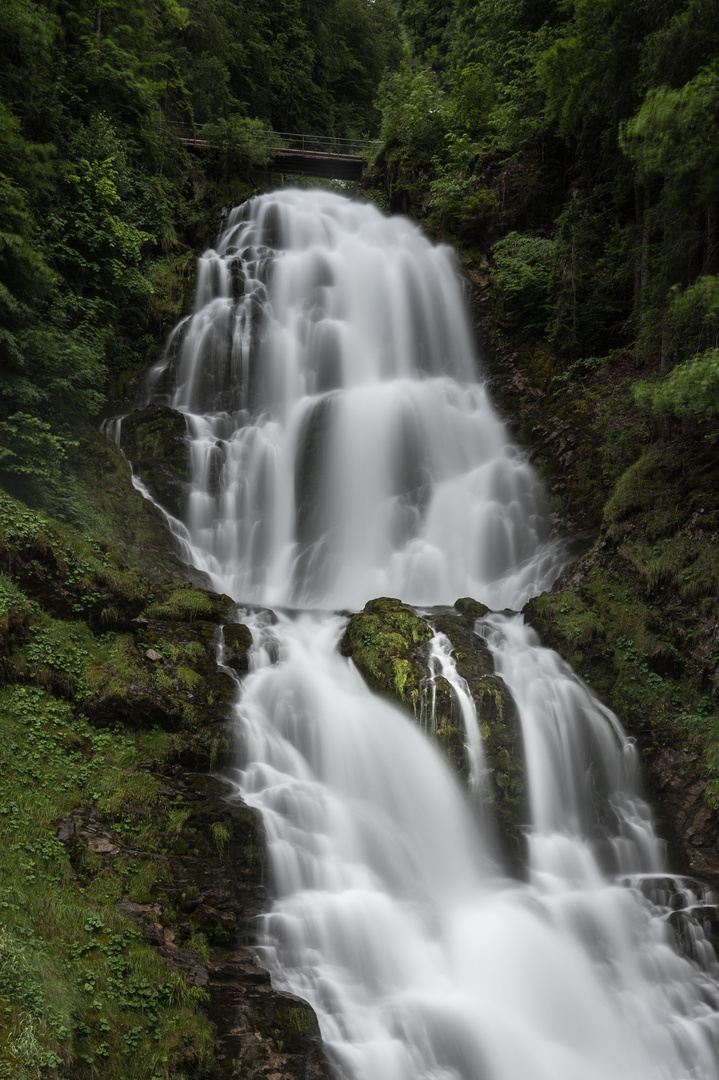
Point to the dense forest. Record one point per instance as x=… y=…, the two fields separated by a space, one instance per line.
x=569 y=149
x=102 y=207
x=575 y=144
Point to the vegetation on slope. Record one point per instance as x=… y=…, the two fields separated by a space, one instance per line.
x=126 y=874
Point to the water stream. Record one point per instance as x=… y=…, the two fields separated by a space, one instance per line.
x=344 y=447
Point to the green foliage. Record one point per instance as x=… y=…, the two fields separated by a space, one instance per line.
x=591 y=125
x=96 y=187
x=243 y=143
x=691 y=389
x=523 y=266
x=414 y=115
x=28 y=447
x=98 y=253
x=429 y=27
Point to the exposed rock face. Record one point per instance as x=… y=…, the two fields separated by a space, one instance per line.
x=497 y=716
x=388 y=642
x=155 y=440
x=688 y=823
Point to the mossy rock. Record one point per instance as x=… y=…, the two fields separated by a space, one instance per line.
x=100 y=499
x=472 y=609
x=238 y=644
x=387 y=642
x=171 y=682
x=155 y=440
x=183 y=602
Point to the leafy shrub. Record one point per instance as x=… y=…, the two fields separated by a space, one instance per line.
x=522 y=273
x=691 y=389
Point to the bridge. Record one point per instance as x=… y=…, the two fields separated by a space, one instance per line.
x=307 y=155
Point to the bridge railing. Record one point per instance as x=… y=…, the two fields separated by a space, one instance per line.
x=324 y=144
x=284 y=140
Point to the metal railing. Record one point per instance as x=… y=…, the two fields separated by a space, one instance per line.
x=284 y=140
x=324 y=144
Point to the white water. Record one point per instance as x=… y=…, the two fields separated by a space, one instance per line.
x=344 y=448
x=441 y=662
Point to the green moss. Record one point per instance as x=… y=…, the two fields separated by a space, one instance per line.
x=637 y=489
x=77 y=576
x=471 y=608
x=385 y=640
x=291 y=1026
x=238 y=644
x=184 y=603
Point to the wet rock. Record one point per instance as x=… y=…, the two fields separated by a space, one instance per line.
x=499 y=725
x=238 y=643
x=67 y=835
x=685 y=819
x=155 y=441
x=472 y=609
x=189 y=963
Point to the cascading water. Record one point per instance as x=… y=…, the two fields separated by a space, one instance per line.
x=343 y=447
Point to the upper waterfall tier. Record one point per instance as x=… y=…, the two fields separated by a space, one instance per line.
x=343 y=445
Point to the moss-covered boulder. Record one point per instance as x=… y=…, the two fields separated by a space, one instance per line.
x=471 y=608
x=387 y=642
x=180 y=600
x=155 y=440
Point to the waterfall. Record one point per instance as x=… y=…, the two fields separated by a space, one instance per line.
x=344 y=447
